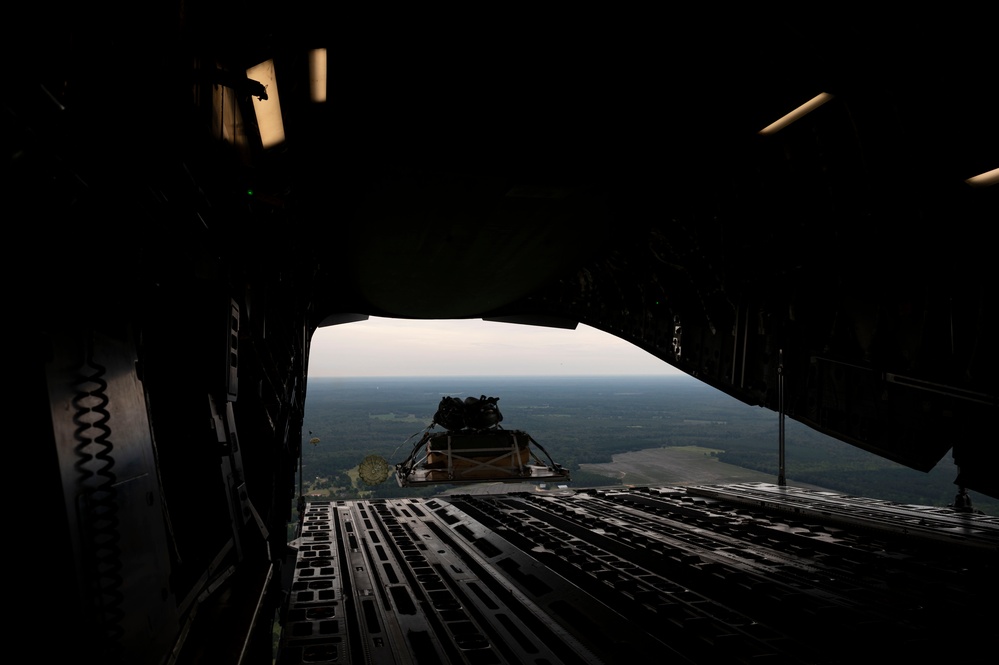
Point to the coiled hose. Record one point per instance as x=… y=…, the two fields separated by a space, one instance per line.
x=97 y=502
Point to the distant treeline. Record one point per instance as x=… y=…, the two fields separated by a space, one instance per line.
x=589 y=420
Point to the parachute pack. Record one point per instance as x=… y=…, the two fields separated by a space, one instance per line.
x=472 y=413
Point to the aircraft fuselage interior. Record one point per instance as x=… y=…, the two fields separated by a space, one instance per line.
x=797 y=212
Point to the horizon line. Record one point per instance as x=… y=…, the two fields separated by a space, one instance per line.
x=509 y=376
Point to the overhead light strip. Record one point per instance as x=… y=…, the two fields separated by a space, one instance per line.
x=267 y=109
x=317 y=74
x=984 y=179
x=798 y=113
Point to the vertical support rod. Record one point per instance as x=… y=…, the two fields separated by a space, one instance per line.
x=300 y=504
x=781 y=481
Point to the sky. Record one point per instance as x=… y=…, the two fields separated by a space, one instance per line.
x=396 y=347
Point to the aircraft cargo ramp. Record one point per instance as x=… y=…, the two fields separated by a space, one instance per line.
x=748 y=573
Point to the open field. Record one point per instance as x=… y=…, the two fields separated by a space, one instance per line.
x=681 y=465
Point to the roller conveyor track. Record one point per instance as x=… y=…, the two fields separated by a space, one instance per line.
x=737 y=574
x=872 y=515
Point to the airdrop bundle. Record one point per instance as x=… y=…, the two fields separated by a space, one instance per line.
x=474 y=448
